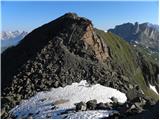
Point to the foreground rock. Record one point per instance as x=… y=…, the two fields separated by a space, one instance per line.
x=81 y=106
x=130 y=110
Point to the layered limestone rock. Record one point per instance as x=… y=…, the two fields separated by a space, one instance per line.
x=96 y=43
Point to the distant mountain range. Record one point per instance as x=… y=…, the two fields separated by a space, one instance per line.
x=11 y=38
x=145 y=34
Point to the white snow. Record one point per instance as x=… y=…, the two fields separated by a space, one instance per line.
x=94 y=114
x=153 y=88
x=136 y=42
x=135 y=45
x=64 y=99
x=11 y=38
x=10 y=35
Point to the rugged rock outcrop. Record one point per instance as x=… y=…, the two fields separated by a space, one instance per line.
x=145 y=34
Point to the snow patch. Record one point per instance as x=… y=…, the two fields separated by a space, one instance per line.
x=135 y=45
x=136 y=42
x=59 y=100
x=94 y=114
x=153 y=88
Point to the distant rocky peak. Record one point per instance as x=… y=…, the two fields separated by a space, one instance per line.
x=146 y=34
x=9 y=35
x=136 y=26
x=153 y=26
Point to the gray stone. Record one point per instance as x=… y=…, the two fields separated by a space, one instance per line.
x=56 y=84
x=134 y=93
x=81 y=106
x=91 y=105
x=114 y=100
x=101 y=106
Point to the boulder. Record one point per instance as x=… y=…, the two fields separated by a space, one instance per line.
x=56 y=84
x=114 y=100
x=91 y=105
x=81 y=106
x=108 y=106
x=101 y=106
x=134 y=93
x=114 y=115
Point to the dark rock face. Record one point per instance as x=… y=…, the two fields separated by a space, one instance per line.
x=146 y=34
x=102 y=106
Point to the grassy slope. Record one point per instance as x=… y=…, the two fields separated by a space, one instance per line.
x=123 y=55
x=152 y=57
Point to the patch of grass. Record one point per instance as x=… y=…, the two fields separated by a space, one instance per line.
x=123 y=56
x=150 y=56
x=121 y=52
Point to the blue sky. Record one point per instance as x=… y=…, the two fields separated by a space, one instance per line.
x=104 y=15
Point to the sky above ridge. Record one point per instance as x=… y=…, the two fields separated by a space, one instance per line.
x=28 y=15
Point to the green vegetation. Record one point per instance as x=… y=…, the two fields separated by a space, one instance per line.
x=151 y=56
x=124 y=60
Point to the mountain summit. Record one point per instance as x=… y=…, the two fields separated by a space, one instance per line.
x=66 y=37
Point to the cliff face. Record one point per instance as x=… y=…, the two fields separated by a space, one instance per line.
x=96 y=43
x=144 y=34
x=64 y=51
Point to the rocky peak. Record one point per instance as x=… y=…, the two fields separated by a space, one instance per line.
x=82 y=36
x=136 y=26
x=71 y=15
x=146 y=34
x=67 y=35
